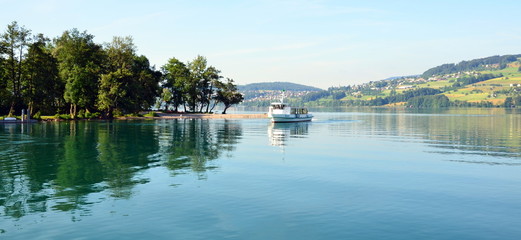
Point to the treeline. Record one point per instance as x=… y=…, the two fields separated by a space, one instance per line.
x=466 y=80
x=413 y=97
x=403 y=97
x=475 y=64
x=433 y=101
x=74 y=75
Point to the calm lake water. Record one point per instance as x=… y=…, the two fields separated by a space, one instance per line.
x=360 y=174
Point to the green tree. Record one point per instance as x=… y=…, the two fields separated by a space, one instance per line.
x=80 y=65
x=4 y=94
x=131 y=84
x=227 y=94
x=42 y=89
x=145 y=84
x=15 y=42
x=165 y=99
x=201 y=84
x=176 y=77
x=509 y=102
x=112 y=89
x=212 y=78
x=196 y=83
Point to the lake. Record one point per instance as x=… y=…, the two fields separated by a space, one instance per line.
x=356 y=174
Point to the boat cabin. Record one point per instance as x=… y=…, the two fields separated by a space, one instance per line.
x=278 y=106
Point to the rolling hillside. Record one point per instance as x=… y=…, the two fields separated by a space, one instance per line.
x=487 y=82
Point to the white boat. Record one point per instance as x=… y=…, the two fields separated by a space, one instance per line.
x=281 y=112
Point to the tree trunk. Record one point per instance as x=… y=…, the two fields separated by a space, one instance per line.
x=30 y=108
x=110 y=114
x=213 y=106
x=226 y=108
x=11 y=110
x=73 y=111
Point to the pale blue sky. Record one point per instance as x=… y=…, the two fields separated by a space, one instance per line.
x=317 y=43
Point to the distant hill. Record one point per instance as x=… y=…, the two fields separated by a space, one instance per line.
x=276 y=86
x=493 y=62
x=486 y=82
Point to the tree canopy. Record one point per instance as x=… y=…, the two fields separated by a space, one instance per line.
x=73 y=74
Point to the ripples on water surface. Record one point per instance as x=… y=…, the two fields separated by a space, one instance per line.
x=381 y=174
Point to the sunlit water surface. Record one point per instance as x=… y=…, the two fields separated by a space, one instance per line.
x=361 y=174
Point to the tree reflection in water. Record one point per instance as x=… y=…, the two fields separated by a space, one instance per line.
x=57 y=166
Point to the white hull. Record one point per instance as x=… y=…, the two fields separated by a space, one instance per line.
x=277 y=118
x=281 y=112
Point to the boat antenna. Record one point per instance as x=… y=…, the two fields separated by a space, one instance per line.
x=282 y=96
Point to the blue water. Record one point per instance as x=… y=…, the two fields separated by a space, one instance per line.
x=360 y=174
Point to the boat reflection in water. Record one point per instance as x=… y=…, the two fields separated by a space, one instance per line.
x=280 y=133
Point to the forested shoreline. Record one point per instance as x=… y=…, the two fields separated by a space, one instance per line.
x=73 y=76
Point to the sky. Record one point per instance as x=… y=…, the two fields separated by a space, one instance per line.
x=319 y=43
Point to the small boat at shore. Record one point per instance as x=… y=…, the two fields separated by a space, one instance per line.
x=25 y=118
x=281 y=112
x=11 y=120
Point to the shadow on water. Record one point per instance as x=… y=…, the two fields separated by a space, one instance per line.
x=57 y=166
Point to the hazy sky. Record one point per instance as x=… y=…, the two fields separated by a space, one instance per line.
x=317 y=43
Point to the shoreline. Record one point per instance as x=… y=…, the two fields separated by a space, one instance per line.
x=198 y=116
x=159 y=117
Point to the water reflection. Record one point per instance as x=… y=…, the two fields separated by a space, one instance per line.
x=463 y=134
x=280 y=133
x=57 y=166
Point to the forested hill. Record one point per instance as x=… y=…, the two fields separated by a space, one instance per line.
x=487 y=82
x=493 y=62
x=276 y=86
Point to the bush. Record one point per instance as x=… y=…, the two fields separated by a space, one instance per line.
x=151 y=114
x=117 y=113
x=133 y=115
x=37 y=116
x=81 y=114
x=62 y=116
x=89 y=115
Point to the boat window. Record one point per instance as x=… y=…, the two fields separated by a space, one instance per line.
x=278 y=106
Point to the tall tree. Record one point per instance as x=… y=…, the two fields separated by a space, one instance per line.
x=201 y=83
x=227 y=94
x=120 y=55
x=4 y=94
x=212 y=78
x=145 y=84
x=131 y=84
x=15 y=41
x=196 y=82
x=42 y=89
x=176 y=82
x=80 y=65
